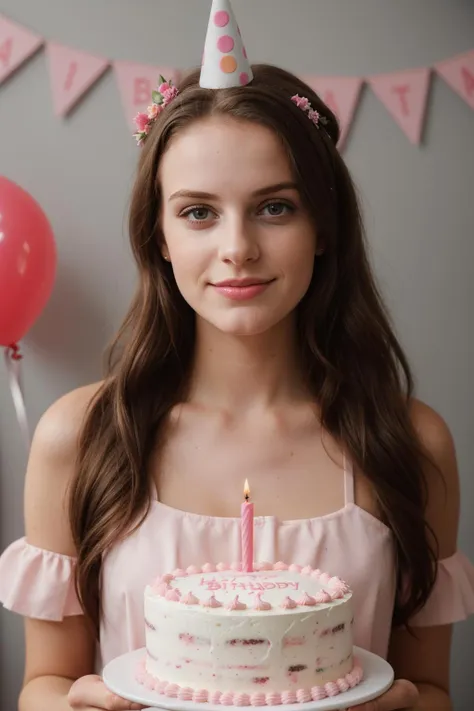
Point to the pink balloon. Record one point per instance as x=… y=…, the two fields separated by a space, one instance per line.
x=27 y=261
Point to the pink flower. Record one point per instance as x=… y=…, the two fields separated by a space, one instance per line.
x=168 y=95
x=313 y=115
x=141 y=121
x=153 y=111
x=301 y=101
x=161 y=97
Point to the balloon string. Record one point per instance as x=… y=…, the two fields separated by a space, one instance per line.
x=12 y=359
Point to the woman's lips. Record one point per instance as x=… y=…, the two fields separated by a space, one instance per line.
x=241 y=292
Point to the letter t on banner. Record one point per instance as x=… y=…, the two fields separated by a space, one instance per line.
x=404 y=95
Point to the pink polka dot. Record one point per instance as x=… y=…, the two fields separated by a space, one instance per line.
x=221 y=18
x=225 y=43
x=244 y=79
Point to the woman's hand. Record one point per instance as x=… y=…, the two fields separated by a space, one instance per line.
x=401 y=695
x=89 y=693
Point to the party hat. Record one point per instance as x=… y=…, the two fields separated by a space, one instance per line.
x=224 y=63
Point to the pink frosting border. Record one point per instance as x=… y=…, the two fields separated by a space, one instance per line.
x=258 y=698
x=335 y=587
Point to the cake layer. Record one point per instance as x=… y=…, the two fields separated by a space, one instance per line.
x=278 y=629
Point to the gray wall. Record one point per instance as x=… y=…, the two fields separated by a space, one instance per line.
x=418 y=205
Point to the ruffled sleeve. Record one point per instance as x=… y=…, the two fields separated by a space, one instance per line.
x=38 y=583
x=452 y=598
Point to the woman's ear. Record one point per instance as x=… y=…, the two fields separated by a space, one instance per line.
x=165 y=254
x=320 y=248
x=320 y=245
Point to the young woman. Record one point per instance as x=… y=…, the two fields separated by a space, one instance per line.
x=257 y=347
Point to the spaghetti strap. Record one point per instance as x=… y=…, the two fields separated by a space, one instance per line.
x=348 y=481
x=153 y=489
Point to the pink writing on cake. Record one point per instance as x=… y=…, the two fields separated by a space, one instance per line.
x=250 y=586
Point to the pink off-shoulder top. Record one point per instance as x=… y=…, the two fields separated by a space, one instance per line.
x=349 y=543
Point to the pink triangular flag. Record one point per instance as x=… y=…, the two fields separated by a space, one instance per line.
x=136 y=83
x=17 y=44
x=341 y=94
x=71 y=73
x=458 y=72
x=404 y=95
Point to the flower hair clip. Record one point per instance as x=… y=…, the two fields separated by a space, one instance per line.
x=303 y=103
x=161 y=97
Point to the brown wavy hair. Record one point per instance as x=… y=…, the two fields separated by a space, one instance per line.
x=353 y=363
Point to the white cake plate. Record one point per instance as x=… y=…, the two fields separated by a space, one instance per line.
x=119 y=677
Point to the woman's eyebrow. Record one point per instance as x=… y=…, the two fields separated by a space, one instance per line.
x=199 y=195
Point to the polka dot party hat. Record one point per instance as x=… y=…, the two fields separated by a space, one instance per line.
x=224 y=62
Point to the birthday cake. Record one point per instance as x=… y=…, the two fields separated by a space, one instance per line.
x=279 y=634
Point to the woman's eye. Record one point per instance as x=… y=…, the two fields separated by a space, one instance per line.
x=197 y=214
x=278 y=209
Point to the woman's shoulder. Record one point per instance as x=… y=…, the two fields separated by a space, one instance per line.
x=441 y=474
x=431 y=428
x=51 y=468
x=59 y=426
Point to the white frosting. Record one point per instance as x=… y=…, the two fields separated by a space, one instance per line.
x=216 y=645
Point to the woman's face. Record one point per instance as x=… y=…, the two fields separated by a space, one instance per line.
x=238 y=236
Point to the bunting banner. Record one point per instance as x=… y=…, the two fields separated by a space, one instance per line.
x=404 y=95
x=136 y=82
x=458 y=72
x=17 y=44
x=341 y=94
x=73 y=73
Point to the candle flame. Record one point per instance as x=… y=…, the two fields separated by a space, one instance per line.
x=246 y=490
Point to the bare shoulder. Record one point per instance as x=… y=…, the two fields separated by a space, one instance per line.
x=432 y=429
x=60 y=424
x=51 y=465
x=441 y=473
x=423 y=657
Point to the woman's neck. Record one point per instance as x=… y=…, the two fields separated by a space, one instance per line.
x=246 y=372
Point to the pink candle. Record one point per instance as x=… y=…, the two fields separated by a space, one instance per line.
x=246 y=529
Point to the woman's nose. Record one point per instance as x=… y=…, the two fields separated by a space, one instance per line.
x=238 y=242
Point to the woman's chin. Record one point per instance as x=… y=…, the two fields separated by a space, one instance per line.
x=244 y=325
